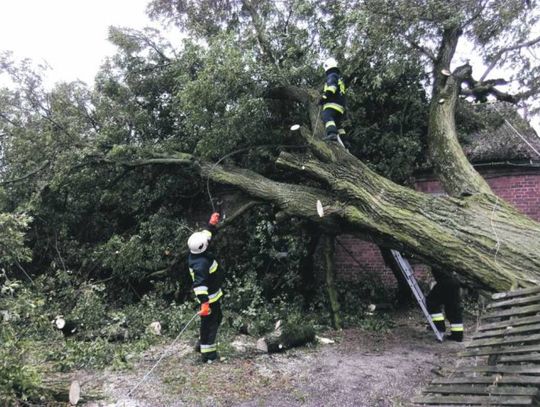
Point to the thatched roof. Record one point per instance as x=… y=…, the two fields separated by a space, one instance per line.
x=496 y=139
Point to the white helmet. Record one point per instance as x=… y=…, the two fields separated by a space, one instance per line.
x=198 y=242
x=329 y=64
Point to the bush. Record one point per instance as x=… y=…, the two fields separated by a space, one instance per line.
x=22 y=319
x=12 y=247
x=19 y=378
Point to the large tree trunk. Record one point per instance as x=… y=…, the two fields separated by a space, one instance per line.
x=453 y=170
x=481 y=237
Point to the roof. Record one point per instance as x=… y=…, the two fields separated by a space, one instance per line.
x=497 y=133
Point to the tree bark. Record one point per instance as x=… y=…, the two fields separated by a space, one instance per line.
x=286 y=337
x=307 y=265
x=456 y=174
x=328 y=249
x=481 y=237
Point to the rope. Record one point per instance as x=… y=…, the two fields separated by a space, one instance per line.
x=162 y=356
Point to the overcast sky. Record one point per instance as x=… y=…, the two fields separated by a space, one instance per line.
x=71 y=35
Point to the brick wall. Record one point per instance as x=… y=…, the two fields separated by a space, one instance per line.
x=518 y=186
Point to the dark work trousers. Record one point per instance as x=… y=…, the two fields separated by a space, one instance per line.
x=332 y=122
x=209 y=328
x=446 y=294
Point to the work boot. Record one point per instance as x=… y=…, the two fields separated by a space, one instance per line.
x=455 y=336
x=209 y=357
x=330 y=137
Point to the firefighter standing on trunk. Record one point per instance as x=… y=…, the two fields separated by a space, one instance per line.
x=446 y=293
x=207 y=278
x=333 y=101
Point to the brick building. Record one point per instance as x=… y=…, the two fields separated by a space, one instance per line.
x=509 y=163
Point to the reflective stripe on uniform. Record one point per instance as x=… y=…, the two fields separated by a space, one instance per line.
x=207 y=233
x=341 y=131
x=202 y=289
x=334 y=106
x=208 y=348
x=192 y=274
x=342 y=87
x=437 y=317
x=215 y=296
x=213 y=267
x=330 y=123
x=330 y=88
x=456 y=327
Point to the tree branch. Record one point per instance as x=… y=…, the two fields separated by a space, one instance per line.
x=259 y=30
x=495 y=59
x=177 y=158
x=426 y=51
x=28 y=175
x=478 y=13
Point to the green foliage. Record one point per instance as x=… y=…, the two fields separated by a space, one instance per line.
x=12 y=239
x=106 y=233
x=20 y=379
x=377 y=322
x=21 y=319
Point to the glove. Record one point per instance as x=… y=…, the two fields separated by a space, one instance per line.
x=205 y=309
x=214 y=219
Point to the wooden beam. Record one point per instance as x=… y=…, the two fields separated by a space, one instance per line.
x=499 y=351
x=476 y=400
x=510 y=322
x=494 y=390
x=508 y=331
x=499 y=379
x=516 y=293
x=515 y=301
x=527 y=369
x=530 y=309
x=504 y=341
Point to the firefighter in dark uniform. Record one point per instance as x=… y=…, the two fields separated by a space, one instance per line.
x=207 y=278
x=333 y=101
x=446 y=293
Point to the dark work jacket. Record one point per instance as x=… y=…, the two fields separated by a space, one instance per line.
x=334 y=91
x=207 y=276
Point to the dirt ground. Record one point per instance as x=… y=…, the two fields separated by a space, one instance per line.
x=361 y=368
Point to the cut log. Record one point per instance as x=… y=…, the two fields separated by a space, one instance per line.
x=74 y=392
x=67 y=392
x=287 y=337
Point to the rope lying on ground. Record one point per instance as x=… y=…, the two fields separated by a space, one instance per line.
x=162 y=356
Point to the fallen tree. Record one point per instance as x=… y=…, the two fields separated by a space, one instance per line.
x=480 y=236
x=471 y=231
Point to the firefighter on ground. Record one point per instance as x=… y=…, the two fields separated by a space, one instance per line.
x=333 y=101
x=207 y=278
x=446 y=293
